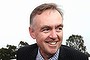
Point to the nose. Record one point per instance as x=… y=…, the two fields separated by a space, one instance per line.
x=53 y=34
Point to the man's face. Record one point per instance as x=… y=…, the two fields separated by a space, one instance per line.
x=48 y=31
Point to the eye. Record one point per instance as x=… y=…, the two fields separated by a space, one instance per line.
x=45 y=30
x=59 y=29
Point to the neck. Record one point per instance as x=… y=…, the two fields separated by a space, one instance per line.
x=45 y=55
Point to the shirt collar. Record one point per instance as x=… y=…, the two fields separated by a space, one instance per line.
x=55 y=56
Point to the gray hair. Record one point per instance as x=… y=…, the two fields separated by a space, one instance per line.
x=43 y=7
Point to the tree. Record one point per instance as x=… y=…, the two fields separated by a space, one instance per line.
x=22 y=44
x=4 y=54
x=77 y=42
x=12 y=50
x=8 y=53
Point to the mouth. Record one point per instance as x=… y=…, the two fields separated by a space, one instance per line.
x=52 y=43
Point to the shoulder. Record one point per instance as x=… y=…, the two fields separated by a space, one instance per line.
x=28 y=48
x=72 y=53
x=27 y=52
x=70 y=50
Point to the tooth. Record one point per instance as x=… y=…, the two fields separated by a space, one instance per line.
x=53 y=43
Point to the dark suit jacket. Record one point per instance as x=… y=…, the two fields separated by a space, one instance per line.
x=66 y=53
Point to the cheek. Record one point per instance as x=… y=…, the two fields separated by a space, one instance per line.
x=41 y=36
x=60 y=35
x=40 y=39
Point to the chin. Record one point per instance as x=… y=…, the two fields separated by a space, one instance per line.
x=53 y=51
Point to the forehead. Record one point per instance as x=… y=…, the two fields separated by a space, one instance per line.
x=48 y=13
x=48 y=17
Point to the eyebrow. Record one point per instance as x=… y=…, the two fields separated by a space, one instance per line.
x=47 y=26
x=61 y=25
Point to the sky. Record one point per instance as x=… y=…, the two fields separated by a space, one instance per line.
x=14 y=20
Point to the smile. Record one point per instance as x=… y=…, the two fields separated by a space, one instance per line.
x=52 y=42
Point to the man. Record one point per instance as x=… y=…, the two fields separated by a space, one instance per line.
x=46 y=26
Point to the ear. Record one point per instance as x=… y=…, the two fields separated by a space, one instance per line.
x=31 y=32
